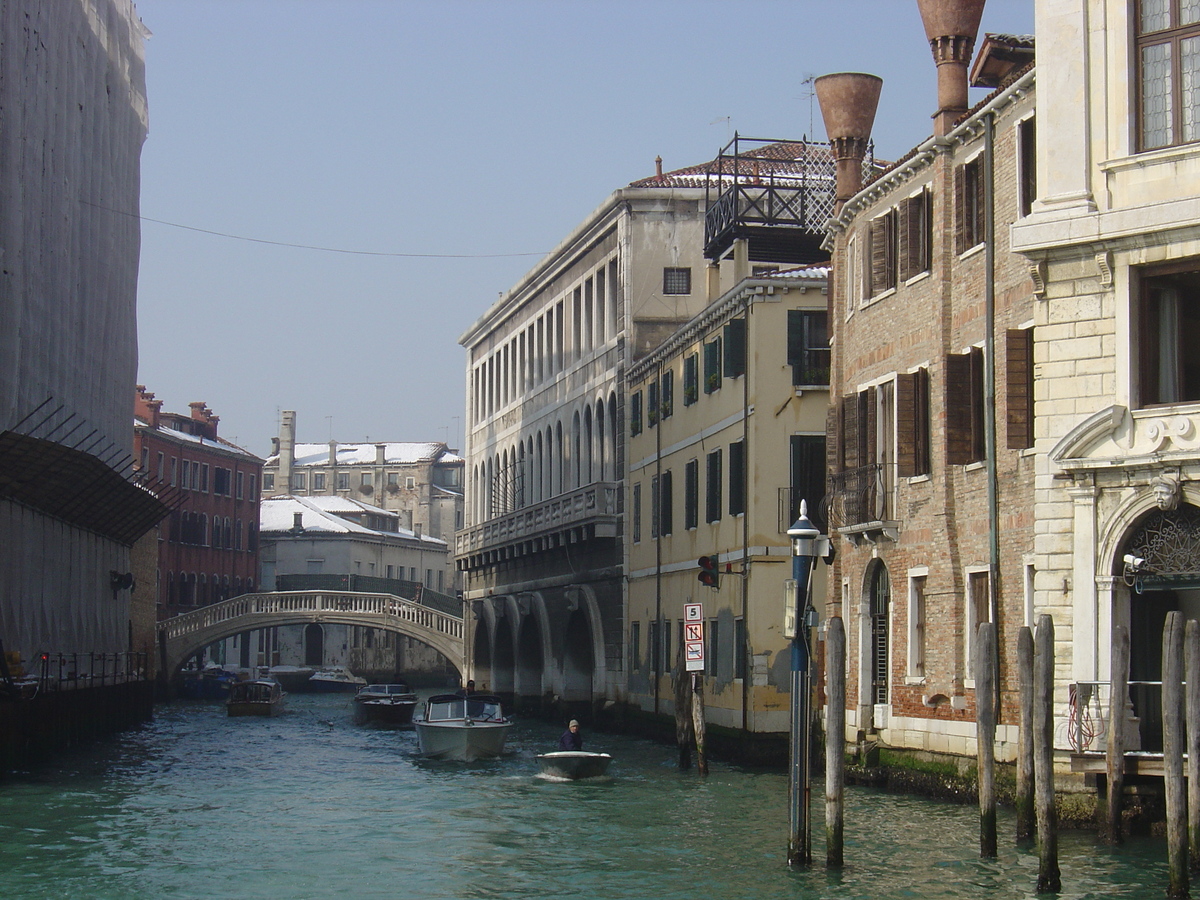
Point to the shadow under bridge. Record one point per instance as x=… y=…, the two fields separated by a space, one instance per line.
x=183 y=636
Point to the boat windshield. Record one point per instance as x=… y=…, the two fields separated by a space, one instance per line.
x=483 y=709
x=459 y=708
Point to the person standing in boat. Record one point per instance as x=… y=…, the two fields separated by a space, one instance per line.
x=571 y=738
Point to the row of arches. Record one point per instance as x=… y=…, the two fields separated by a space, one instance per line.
x=551 y=461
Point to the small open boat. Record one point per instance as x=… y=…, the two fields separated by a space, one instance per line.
x=466 y=728
x=334 y=680
x=390 y=703
x=258 y=697
x=572 y=765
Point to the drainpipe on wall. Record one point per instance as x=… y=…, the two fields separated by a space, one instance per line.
x=656 y=504
x=989 y=380
x=747 y=676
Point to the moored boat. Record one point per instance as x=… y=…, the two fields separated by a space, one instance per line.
x=335 y=679
x=465 y=728
x=390 y=703
x=257 y=697
x=573 y=765
x=210 y=683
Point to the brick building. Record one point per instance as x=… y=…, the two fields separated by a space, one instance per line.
x=208 y=547
x=932 y=472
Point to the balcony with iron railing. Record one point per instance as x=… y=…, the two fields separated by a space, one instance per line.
x=586 y=512
x=860 y=503
x=776 y=194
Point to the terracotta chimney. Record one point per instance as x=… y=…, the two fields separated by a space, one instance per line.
x=658 y=167
x=848 y=103
x=951 y=26
x=145 y=407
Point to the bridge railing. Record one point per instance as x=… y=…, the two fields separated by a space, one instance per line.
x=284 y=602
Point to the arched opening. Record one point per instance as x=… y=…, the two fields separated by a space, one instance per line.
x=589 y=447
x=879 y=599
x=579 y=662
x=314 y=645
x=502 y=658
x=601 y=455
x=481 y=654
x=530 y=660
x=576 y=452
x=1166 y=579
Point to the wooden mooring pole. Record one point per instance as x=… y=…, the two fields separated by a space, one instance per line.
x=1191 y=673
x=698 y=728
x=1049 y=875
x=1174 y=736
x=1024 y=799
x=835 y=740
x=684 y=735
x=985 y=734
x=1118 y=696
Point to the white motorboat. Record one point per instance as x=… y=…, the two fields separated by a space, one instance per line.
x=257 y=697
x=462 y=727
x=573 y=765
x=335 y=679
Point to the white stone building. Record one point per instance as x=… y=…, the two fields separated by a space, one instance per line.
x=1113 y=244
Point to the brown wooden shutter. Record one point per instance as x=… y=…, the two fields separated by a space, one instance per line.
x=960 y=209
x=959 y=445
x=833 y=438
x=1019 y=375
x=867 y=427
x=906 y=417
x=879 y=255
x=907 y=236
x=850 y=431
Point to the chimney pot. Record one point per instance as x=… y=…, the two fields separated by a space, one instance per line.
x=951 y=26
x=848 y=103
x=658 y=167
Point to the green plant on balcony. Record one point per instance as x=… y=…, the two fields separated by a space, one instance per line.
x=712 y=382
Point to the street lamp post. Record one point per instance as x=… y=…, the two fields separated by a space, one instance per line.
x=800 y=617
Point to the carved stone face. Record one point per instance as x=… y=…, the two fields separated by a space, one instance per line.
x=1166 y=493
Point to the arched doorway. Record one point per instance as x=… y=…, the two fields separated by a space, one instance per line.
x=1166 y=577
x=879 y=591
x=578 y=660
x=314 y=645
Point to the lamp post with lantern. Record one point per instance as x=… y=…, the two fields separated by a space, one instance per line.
x=799 y=619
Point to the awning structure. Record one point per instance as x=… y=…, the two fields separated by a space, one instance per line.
x=77 y=488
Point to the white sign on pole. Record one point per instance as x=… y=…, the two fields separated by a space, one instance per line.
x=693 y=637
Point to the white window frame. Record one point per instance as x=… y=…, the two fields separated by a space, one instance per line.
x=918 y=620
x=969 y=620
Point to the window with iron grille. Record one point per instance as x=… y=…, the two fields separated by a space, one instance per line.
x=880 y=600
x=677 y=280
x=1168 y=49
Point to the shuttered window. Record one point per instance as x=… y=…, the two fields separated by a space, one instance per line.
x=691 y=493
x=668 y=393
x=737 y=478
x=712 y=366
x=691 y=379
x=652 y=403
x=916 y=235
x=912 y=423
x=1019 y=376
x=666 y=517
x=968 y=205
x=712 y=507
x=964 y=408
x=808 y=346
x=883 y=252
x=635 y=414
x=735 y=348
x=1027 y=148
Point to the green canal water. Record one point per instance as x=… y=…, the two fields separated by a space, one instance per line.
x=309 y=806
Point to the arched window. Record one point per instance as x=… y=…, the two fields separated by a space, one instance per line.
x=601 y=444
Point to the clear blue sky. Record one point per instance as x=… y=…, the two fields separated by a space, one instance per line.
x=439 y=128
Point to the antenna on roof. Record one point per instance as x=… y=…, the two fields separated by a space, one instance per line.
x=809 y=79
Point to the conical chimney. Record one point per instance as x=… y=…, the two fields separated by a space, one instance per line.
x=951 y=26
x=848 y=103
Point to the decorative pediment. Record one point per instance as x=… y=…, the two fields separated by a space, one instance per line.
x=1117 y=437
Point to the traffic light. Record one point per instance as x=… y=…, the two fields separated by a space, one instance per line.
x=708 y=572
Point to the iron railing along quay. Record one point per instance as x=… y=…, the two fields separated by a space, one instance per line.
x=67 y=671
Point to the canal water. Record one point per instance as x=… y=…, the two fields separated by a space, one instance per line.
x=309 y=806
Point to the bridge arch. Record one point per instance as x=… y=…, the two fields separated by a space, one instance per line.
x=183 y=636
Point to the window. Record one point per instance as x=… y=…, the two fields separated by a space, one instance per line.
x=654 y=506
x=668 y=393
x=808 y=346
x=268 y=480
x=691 y=493
x=916 y=235
x=880 y=601
x=712 y=366
x=637 y=513
x=343 y=481
x=221 y=481
x=652 y=408
x=298 y=479
x=912 y=423
x=968 y=208
x=964 y=408
x=393 y=479
x=1168 y=321
x=253 y=487
x=367 y=479
x=807 y=479
x=204 y=479
x=1168 y=47
x=691 y=390
x=1027 y=162
x=714 y=647
x=174 y=470
x=1019 y=376
x=410 y=482
x=318 y=480
x=735 y=348
x=240 y=481
x=737 y=478
x=665 y=517
x=635 y=646
x=916 y=622
x=712 y=507
x=185 y=471
x=635 y=414
x=979 y=610
x=677 y=280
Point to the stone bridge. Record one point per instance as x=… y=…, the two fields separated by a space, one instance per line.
x=181 y=637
